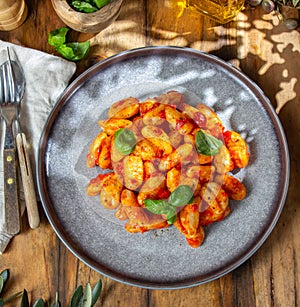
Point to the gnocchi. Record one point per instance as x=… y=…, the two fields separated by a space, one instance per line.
x=151 y=149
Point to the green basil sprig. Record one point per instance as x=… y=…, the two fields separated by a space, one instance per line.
x=181 y=196
x=71 y=51
x=207 y=144
x=125 y=141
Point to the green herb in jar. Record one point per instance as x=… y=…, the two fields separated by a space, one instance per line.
x=88 y=6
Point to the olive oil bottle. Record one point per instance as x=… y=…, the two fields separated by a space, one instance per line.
x=220 y=10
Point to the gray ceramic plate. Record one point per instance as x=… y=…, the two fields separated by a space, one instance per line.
x=161 y=259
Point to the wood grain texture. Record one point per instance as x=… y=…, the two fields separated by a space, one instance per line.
x=27 y=181
x=262 y=49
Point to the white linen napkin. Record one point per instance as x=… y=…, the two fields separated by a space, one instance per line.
x=46 y=78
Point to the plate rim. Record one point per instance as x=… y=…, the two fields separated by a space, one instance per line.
x=146 y=51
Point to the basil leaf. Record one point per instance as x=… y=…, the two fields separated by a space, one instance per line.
x=207 y=144
x=101 y=3
x=171 y=214
x=57 y=37
x=70 y=51
x=172 y=219
x=181 y=196
x=74 y=51
x=83 y=6
x=124 y=141
x=156 y=206
x=191 y=200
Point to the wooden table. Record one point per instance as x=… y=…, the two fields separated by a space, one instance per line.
x=263 y=50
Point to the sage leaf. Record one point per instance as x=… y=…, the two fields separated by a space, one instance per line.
x=57 y=37
x=125 y=141
x=207 y=144
x=1 y=302
x=96 y=292
x=24 y=301
x=4 y=275
x=87 y=296
x=39 y=303
x=76 y=297
x=181 y=196
x=156 y=206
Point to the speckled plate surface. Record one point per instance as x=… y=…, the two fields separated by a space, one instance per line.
x=161 y=258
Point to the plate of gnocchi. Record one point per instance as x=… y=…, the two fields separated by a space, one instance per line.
x=163 y=167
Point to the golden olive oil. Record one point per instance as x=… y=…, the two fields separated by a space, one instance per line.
x=220 y=10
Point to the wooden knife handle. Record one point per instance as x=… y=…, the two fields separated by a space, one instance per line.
x=12 y=214
x=28 y=182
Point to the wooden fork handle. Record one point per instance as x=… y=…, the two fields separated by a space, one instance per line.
x=28 y=182
x=12 y=214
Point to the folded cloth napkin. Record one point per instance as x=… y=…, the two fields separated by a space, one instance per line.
x=46 y=78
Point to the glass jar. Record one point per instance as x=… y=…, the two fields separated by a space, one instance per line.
x=220 y=10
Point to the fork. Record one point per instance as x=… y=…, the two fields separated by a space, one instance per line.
x=8 y=112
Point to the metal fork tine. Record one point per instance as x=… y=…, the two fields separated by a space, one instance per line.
x=11 y=79
x=6 y=86
x=1 y=88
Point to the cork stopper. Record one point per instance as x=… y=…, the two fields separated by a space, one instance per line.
x=12 y=14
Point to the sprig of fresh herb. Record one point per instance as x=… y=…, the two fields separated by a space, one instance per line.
x=71 y=51
x=88 y=6
x=82 y=297
x=181 y=196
